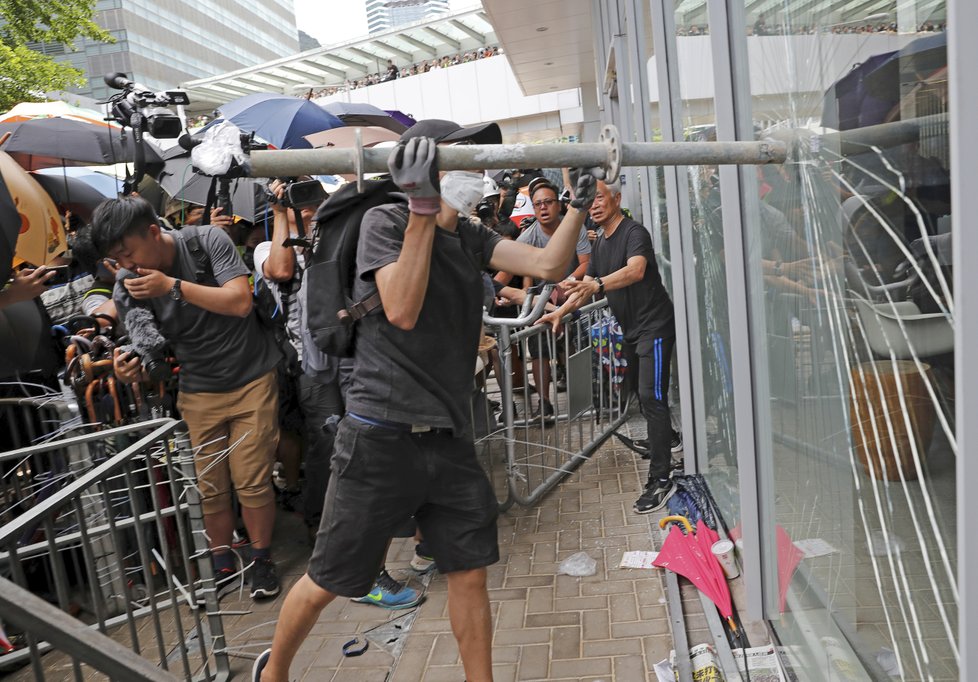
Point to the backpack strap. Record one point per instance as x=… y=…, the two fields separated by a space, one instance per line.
x=364 y=307
x=202 y=260
x=360 y=309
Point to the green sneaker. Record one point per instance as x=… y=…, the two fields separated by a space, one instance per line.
x=390 y=594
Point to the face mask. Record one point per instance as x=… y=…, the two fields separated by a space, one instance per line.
x=462 y=190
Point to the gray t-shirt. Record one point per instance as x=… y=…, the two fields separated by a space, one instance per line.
x=535 y=236
x=217 y=353
x=422 y=376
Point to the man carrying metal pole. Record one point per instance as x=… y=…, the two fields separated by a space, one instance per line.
x=623 y=267
x=405 y=447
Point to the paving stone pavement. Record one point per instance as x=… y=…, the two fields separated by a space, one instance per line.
x=611 y=626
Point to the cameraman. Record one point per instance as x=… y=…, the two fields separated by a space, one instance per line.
x=281 y=266
x=228 y=392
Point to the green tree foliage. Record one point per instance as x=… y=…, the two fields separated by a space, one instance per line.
x=26 y=75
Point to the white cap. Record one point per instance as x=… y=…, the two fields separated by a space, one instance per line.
x=490 y=188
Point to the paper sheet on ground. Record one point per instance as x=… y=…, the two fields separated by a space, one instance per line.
x=638 y=560
x=815 y=547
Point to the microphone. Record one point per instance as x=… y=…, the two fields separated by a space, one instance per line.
x=188 y=142
x=119 y=81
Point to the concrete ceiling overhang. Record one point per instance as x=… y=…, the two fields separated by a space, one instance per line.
x=332 y=65
x=548 y=43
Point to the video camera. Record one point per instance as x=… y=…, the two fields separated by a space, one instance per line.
x=298 y=193
x=221 y=153
x=144 y=110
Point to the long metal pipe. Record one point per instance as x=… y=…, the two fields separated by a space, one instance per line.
x=329 y=161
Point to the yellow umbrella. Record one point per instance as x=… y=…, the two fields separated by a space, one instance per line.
x=25 y=111
x=41 y=236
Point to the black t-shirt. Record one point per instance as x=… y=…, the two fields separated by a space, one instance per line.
x=422 y=376
x=644 y=309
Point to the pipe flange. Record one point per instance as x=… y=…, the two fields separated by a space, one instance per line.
x=610 y=137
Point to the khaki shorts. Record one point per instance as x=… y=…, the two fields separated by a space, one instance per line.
x=244 y=420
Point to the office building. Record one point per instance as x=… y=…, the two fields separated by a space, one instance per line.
x=161 y=45
x=383 y=15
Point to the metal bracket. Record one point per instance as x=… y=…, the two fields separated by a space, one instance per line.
x=609 y=136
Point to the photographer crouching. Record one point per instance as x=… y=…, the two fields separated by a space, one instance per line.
x=194 y=286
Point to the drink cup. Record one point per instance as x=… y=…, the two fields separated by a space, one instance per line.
x=723 y=550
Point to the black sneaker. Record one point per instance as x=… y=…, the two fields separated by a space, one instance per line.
x=226 y=581
x=655 y=496
x=259 y=665
x=289 y=499
x=677 y=442
x=544 y=407
x=264 y=580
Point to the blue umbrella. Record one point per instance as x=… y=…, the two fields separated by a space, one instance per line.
x=280 y=120
x=104 y=184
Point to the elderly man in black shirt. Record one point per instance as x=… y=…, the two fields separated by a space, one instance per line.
x=624 y=269
x=405 y=446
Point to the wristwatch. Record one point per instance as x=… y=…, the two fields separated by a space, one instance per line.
x=175 y=293
x=600 y=286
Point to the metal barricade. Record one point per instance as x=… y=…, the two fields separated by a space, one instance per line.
x=526 y=451
x=103 y=533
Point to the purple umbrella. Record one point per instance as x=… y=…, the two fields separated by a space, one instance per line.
x=363 y=114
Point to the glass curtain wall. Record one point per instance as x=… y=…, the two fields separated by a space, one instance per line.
x=852 y=239
x=714 y=417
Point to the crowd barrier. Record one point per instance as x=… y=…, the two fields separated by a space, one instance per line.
x=525 y=451
x=103 y=554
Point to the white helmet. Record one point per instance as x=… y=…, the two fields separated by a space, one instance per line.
x=490 y=188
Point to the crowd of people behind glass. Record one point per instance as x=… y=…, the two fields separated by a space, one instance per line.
x=762 y=28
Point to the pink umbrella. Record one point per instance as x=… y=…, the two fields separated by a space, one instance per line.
x=789 y=557
x=685 y=555
x=345 y=136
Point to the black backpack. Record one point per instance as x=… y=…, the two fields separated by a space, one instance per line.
x=331 y=267
x=271 y=317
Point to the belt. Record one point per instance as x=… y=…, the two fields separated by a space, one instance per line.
x=399 y=426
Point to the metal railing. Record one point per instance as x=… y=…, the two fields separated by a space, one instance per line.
x=103 y=543
x=525 y=450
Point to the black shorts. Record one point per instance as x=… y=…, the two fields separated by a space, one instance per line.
x=538 y=346
x=380 y=478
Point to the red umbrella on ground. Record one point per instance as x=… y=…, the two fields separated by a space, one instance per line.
x=684 y=554
x=789 y=557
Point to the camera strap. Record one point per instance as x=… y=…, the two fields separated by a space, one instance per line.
x=300 y=226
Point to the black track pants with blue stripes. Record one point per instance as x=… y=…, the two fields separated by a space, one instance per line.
x=653 y=359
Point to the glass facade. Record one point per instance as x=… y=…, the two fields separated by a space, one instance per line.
x=851 y=241
x=849 y=347
x=163 y=45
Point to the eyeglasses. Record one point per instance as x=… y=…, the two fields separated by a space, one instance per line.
x=544 y=202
